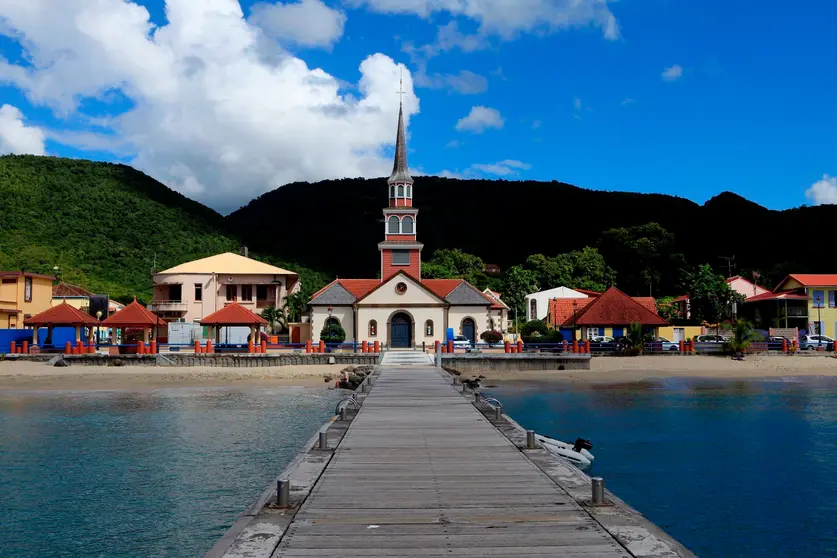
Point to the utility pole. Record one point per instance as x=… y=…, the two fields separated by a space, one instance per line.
x=730 y=263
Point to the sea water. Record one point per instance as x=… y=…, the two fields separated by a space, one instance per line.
x=149 y=473
x=735 y=468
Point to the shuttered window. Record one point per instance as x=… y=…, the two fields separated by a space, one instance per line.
x=400 y=257
x=407 y=227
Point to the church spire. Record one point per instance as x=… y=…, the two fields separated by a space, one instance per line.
x=400 y=172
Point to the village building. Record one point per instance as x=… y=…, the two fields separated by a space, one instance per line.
x=23 y=295
x=193 y=290
x=739 y=284
x=79 y=297
x=538 y=304
x=609 y=314
x=805 y=302
x=402 y=310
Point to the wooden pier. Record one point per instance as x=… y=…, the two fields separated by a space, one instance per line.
x=422 y=471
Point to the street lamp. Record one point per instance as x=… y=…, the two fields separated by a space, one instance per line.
x=98 y=317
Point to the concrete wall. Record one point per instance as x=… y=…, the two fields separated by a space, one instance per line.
x=471 y=364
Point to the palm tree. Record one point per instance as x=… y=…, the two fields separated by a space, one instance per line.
x=272 y=315
x=636 y=338
x=743 y=336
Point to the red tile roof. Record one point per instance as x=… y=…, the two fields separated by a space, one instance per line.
x=134 y=315
x=233 y=315
x=812 y=279
x=561 y=309
x=615 y=308
x=68 y=290
x=64 y=315
x=648 y=302
x=442 y=287
x=588 y=293
x=359 y=287
x=785 y=295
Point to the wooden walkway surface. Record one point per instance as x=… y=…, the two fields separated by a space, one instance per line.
x=420 y=472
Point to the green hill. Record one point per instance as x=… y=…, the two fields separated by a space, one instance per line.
x=104 y=225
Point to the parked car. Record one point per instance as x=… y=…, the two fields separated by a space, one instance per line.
x=665 y=345
x=601 y=339
x=461 y=342
x=776 y=342
x=814 y=342
x=710 y=339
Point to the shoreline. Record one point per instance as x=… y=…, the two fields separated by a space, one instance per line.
x=34 y=376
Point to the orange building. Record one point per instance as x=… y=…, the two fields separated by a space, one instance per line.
x=23 y=295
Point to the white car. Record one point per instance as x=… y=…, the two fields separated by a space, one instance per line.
x=813 y=342
x=666 y=344
x=601 y=339
x=461 y=342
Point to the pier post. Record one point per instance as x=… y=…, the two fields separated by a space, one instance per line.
x=438 y=355
x=598 y=491
x=343 y=414
x=283 y=493
x=498 y=412
x=323 y=439
x=455 y=380
x=530 y=439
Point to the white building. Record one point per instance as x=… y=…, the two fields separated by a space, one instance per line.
x=537 y=304
x=402 y=310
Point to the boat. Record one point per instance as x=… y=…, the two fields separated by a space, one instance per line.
x=578 y=454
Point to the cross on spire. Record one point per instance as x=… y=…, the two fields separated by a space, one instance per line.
x=401 y=91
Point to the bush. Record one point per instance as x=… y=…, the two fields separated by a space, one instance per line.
x=333 y=333
x=491 y=336
x=555 y=336
x=535 y=331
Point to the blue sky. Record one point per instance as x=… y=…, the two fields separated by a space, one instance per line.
x=682 y=97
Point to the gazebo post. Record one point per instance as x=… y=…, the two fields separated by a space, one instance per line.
x=78 y=334
x=146 y=332
x=35 y=335
x=49 y=334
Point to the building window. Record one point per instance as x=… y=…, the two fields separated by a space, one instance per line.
x=175 y=293
x=407 y=225
x=533 y=309
x=819 y=300
x=28 y=290
x=400 y=190
x=373 y=328
x=198 y=292
x=409 y=191
x=392 y=191
x=261 y=292
x=246 y=292
x=232 y=291
x=394 y=225
x=400 y=257
x=831 y=301
x=428 y=328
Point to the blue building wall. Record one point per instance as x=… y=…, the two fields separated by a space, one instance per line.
x=60 y=336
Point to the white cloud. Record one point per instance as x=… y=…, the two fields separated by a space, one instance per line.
x=673 y=73
x=16 y=137
x=823 y=191
x=214 y=114
x=502 y=168
x=479 y=120
x=465 y=82
x=306 y=23
x=508 y=18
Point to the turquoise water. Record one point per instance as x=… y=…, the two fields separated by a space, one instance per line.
x=152 y=473
x=727 y=468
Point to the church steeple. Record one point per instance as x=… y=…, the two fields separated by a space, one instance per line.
x=400 y=171
x=400 y=250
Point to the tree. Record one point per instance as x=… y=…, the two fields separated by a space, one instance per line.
x=519 y=282
x=333 y=333
x=644 y=257
x=455 y=264
x=294 y=305
x=579 y=269
x=636 y=339
x=743 y=336
x=273 y=316
x=667 y=308
x=710 y=296
x=535 y=331
x=491 y=337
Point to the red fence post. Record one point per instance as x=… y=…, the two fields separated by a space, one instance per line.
x=25 y=348
x=435 y=347
x=444 y=348
x=377 y=347
x=575 y=346
x=507 y=346
x=321 y=347
x=92 y=348
x=153 y=347
x=197 y=347
x=450 y=345
x=682 y=346
x=12 y=347
x=308 y=346
x=519 y=346
x=68 y=349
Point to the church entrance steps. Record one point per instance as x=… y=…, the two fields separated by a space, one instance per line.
x=406 y=358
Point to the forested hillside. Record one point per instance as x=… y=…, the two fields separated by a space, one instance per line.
x=103 y=225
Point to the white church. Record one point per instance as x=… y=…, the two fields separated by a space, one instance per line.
x=402 y=310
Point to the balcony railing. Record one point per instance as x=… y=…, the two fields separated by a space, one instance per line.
x=794 y=312
x=169 y=306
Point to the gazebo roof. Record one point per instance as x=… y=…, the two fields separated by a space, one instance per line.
x=134 y=315
x=233 y=315
x=62 y=315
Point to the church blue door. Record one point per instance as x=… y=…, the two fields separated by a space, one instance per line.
x=401 y=332
x=469 y=330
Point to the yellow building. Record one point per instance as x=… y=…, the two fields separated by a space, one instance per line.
x=23 y=295
x=804 y=301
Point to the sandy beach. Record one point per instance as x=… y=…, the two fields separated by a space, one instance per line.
x=614 y=369
x=40 y=376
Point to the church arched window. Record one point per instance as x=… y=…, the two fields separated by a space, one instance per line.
x=407 y=225
x=392 y=191
x=428 y=328
x=533 y=309
x=409 y=191
x=394 y=225
x=400 y=190
x=373 y=328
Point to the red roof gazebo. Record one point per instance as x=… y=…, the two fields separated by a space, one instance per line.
x=234 y=315
x=135 y=315
x=62 y=315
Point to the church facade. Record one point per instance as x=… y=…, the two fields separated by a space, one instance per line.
x=401 y=309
